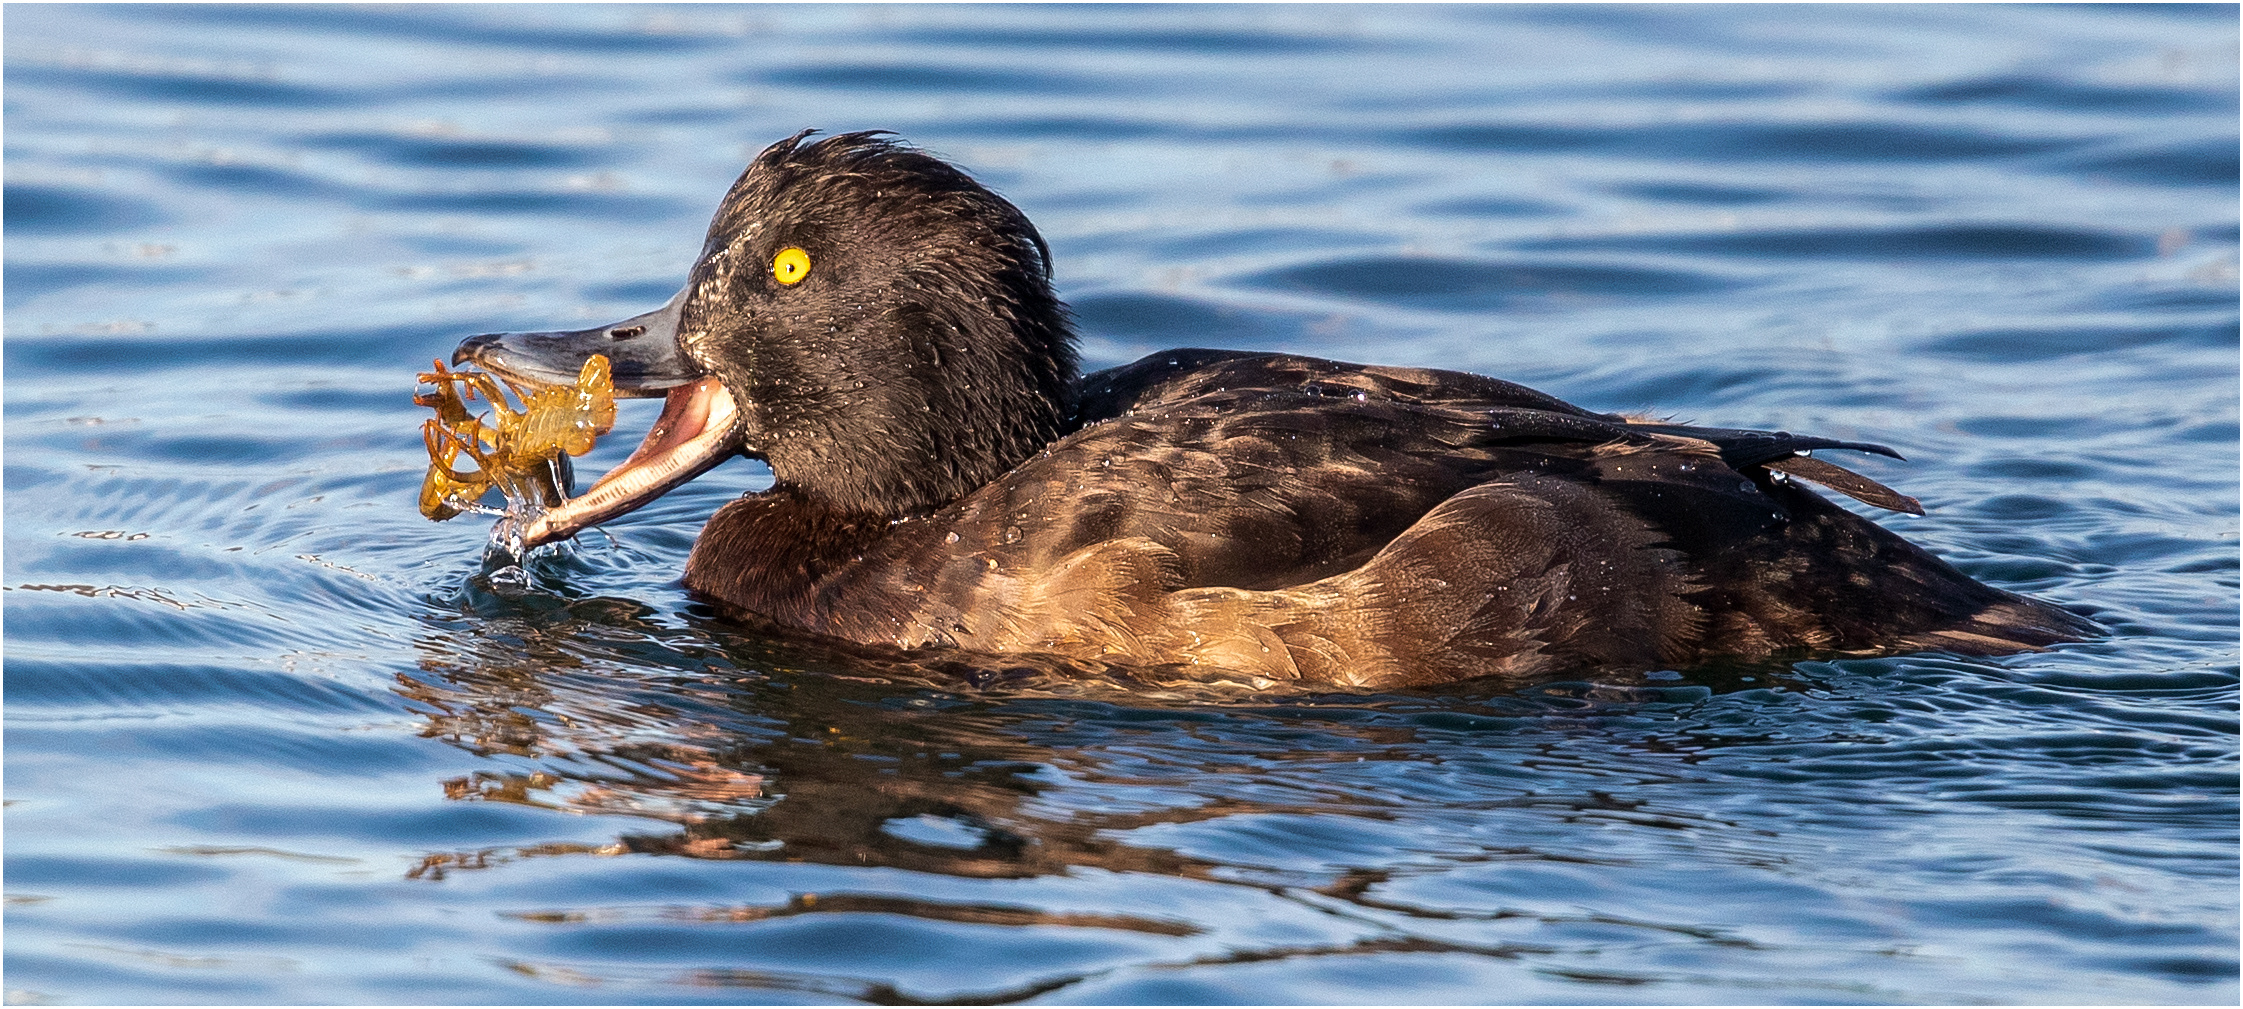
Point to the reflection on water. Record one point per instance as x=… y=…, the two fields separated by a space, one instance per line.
x=272 y=738
x=1330 y=808
x=785 y=752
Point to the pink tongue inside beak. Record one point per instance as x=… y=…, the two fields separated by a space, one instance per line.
x=697 y=430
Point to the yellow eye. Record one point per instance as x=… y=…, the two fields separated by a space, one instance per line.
x=790 y=265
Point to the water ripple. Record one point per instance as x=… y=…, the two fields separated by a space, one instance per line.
x=1746 y=142
x=1464 y=285
x=273 y=737
x=38 y=209
x=1946 y=241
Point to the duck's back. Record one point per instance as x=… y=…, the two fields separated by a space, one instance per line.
x=1292 y=518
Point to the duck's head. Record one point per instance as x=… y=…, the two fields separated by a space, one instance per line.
x=866 y=318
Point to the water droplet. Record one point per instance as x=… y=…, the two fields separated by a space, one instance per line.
x=950 y=538
x=510 y=581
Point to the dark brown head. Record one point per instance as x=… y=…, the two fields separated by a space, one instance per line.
x=868 y=319
x=886 y=323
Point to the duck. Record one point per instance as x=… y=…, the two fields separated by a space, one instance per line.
x=881 y=330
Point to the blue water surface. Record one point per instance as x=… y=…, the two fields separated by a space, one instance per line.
x=271 y=737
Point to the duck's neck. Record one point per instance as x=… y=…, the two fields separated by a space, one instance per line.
x=767 y=553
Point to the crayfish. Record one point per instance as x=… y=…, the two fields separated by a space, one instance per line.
x=519 y=451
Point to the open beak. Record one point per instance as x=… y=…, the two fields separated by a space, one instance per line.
x=699 y=426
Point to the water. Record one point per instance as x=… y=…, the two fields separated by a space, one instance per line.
x=272 y=737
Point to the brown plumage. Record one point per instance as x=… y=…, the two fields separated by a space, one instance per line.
x=1278 y=518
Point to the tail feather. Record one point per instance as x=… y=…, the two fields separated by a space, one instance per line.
x=1829 y=579
x=2014 y=624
